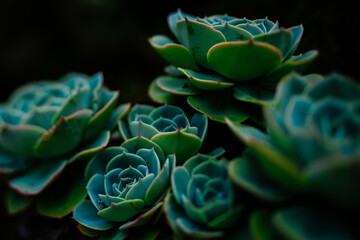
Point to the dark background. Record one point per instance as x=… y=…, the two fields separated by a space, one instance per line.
x=48 y=39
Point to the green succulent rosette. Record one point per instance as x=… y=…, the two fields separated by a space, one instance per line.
x=126 y=186
x=203 y=203
x=221 y=59
x=309 y=159
x=169 y=127
x=45 y=126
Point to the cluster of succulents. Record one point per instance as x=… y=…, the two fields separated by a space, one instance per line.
x=233 y=60
x=295 y=174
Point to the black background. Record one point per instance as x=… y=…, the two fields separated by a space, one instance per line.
x=48 y=39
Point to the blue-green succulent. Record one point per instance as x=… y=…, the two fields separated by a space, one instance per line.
x=203 y=203
x=221 y=59
x=126 y=186
x=169 y=127
x=311 y=150
x=45 y=125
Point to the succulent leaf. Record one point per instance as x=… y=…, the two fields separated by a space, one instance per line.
x=243 y=61
x=16 y=202
x=10 y=135
x=218 y=106
x=192 y=33
x=160 y=96
x=64 y=136
x=175 y=54
x=177 y=86
x=36 y=179
x=86 y=214
x=57 y=201
x=206 y=81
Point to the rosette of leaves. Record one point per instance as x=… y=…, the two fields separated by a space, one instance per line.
x=45 y=126
x=167 y=126
x=202 y=203
x=126 y=186
x=310 y=157
x=221 y=59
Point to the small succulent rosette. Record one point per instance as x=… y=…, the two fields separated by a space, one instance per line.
x=222 y=62
x=44 y=126
x=203 y=203
x=126 y=186
x=310 y=157
x=169 y=127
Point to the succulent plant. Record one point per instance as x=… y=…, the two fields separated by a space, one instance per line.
x=222 y=58
x=126 y=185
x=45 y=125
x=167 y=126
x=311 y=151
x=203 y=203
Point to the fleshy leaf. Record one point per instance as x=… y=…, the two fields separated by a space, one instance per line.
x=160 y=96
x=177 y=86
x=143 y=129
x=246 y=173
x=101 y=118
x=64 y=136
x=138 y=190
x=175 y=54
x=244 y=61
x=298 y=63
x=206 y=81
x=88 y=231
x=144 y=218
x=192 y=34
x=281 y=39
x=57 y=200
x=218 y=106
x=86 y=214
x=94 y=187
x=180 y=178
x=161 y=182
x=37 y=178
x=93 y=147
x=20 y=139
x=16 y=202
x=191 y=229
x=184 y=145
x=200 y=121
x=233 y=33
x=79 y=100
x=276 y=164
x=119 y=113
x=123 y=211
x=254 y=93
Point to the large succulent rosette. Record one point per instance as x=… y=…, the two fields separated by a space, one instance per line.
x=203 y=203
x=221 y=59
x=44 y=126
x=126 y=186
x=169 y=127
x=309 y=160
